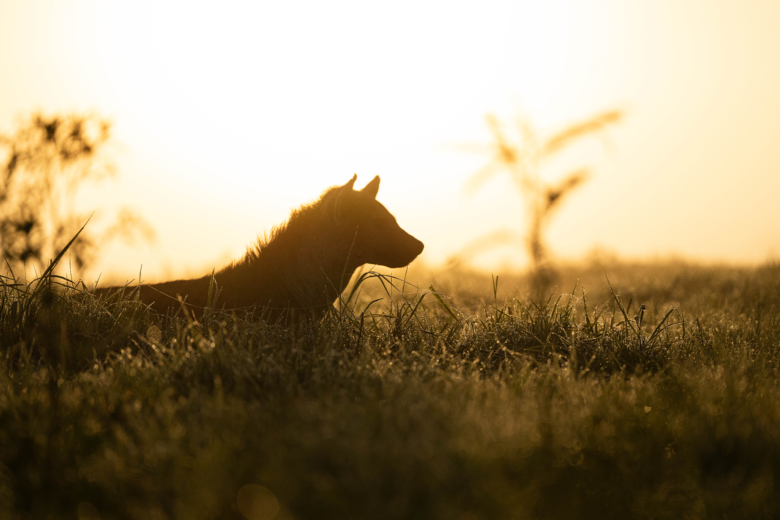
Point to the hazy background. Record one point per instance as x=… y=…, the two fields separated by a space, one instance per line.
x=225 y=117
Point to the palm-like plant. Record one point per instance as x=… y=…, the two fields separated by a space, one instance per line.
x=523 y=159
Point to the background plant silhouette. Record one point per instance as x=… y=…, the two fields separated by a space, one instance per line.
x=522 y=156
x=44 y=163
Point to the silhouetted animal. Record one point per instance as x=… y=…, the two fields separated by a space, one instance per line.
x=302 y=266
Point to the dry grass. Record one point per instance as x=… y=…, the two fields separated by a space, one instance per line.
x=470 y=402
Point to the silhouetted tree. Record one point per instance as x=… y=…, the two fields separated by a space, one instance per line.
x=523 y=159
x=44 y=162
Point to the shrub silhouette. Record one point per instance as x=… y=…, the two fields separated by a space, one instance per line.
x=44 y=163
x=522 y=158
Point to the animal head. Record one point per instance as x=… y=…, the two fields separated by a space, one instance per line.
x=370 y=230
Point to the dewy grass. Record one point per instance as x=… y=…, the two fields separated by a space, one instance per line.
x=401 y=403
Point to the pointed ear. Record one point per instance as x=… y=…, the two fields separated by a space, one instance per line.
x=371 y=188
x=340 y=192
x=350 y=185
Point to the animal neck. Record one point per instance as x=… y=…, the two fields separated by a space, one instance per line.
x=303 y=266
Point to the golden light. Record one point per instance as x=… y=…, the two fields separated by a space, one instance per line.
x=268 y=105
x=227 y=117
x=231 y=88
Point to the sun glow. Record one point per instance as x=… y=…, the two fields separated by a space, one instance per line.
x=225 y=118
x=283 y=101
x=260 y=84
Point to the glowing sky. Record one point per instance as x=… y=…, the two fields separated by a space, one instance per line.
x=227 y=115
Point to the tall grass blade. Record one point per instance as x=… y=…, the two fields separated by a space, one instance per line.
x=443 y=303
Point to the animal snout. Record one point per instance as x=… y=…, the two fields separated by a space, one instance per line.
x=412 y=249
x=417 y=246
x=402 y=250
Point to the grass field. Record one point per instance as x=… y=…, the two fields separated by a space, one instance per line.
x=474 y=402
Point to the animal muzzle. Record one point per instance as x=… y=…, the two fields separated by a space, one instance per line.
x=406 y=249
x=417 y=248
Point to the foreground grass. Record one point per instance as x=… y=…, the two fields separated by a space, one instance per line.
x=482 y=405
